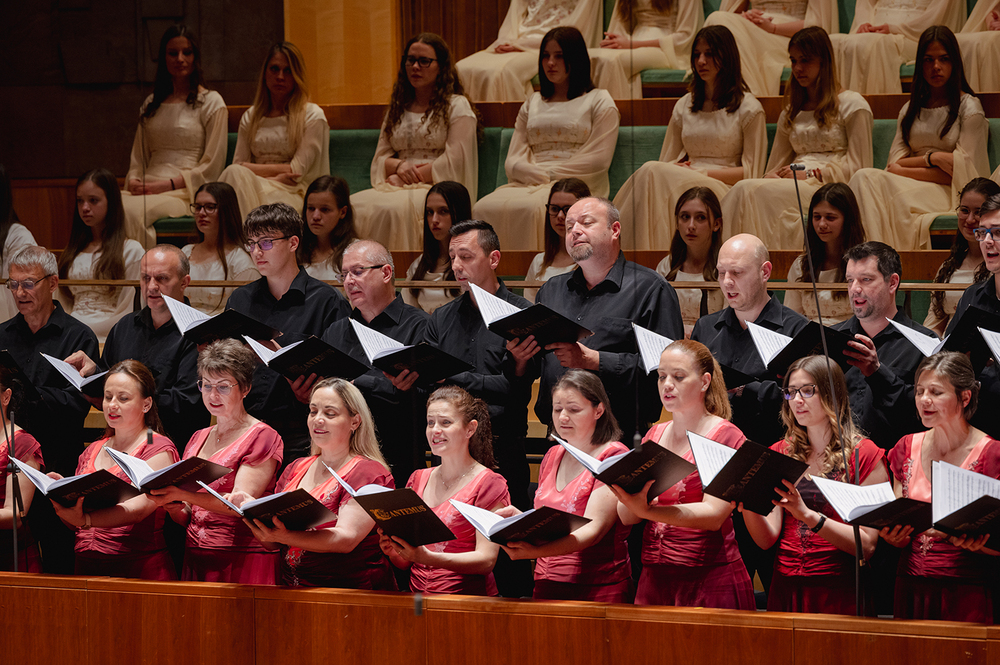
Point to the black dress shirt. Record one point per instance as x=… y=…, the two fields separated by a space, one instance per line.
x=757 y=407
x=398 y=415
x=56 y=421
x=173 y=360
x=309 y=307
x=984 y=296
x=629 y=294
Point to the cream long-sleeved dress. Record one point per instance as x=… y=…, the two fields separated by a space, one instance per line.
x=980 y=48
x=690 y=299
x=18 y=238
x=551 y=141
x=835 y=310
x=764 y=55
x=426 y=299
x=618 y=70
x=394 y=216
x=869 y=63
x=898 y=210
x=709 y=140
x=272 y=145
x=101 y=307
x=767 y=207
x=506 y=77
x=179 y=140
x=211 y=299
x=536 y=274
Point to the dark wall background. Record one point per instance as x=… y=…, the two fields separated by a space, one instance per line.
x=73 y=73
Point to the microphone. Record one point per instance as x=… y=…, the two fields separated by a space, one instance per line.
x=797 y=167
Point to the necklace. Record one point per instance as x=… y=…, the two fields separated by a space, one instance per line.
x=240 y=425
x=448 y=485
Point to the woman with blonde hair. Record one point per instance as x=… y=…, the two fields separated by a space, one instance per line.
x=284 y=140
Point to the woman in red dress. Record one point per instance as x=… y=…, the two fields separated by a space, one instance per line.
x=344 y=552
x=27 y=450
x=689 y=552
x=125 y=540
x=219 y=546
x=592 y=562
x=458 y=431
x=941 y=577
x=814 y=566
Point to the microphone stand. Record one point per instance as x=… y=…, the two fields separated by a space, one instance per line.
x=12 y=471
x=859 y=555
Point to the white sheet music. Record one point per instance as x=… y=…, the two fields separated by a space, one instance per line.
x=232 y=506
x=592 y=463
x=926 y=344
x=71 y=373
x=266 y=354
x=768 y=343
x=483 y=520
x=185 y=316
x=37 y=478
x=361 y=491
x=852 y=501
x=992 y=341
x=374 y=343
x=651 y=345
x=491 y=308
x=709 y=456
x=955 y=488
x=136 y=469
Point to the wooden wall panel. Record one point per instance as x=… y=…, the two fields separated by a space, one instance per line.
x=467 y=25
x=44 y=619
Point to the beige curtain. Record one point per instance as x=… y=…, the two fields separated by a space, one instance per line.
x=351 y=47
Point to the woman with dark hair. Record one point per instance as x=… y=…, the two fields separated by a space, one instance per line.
x=429 y=134
x=592 y=562
x=566 y=130
x=98 y=249
x=644 y=34
x=822 y=127
x=941 y=577
x=16 y=443
x=979 y=42
x=814 y=565
x=447 y=204
x=181 y=140
x=503 y=71
x=940 y=145
x=694 y=251
x=834 y=227
x=459 y=433
x=689 y=552
x=555 y=259
x=964 y=264
x=284 y=140
x=327 y=227
x=125 y=540
x=13 y=237
x=716 y=137
x=219 y=253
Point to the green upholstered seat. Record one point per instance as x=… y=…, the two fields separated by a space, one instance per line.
x=351 y=154
x=490 y=159
x=635 y=147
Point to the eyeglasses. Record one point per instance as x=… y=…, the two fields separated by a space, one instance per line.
x=806 y=391
x=554 y=210
x=264 y=243
x=359 y=271
x=221 y=388
x=982 y=232
x=208 y=207
x=26 y=284
x=423 y=62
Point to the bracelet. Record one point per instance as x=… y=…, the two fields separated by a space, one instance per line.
x=172 y=187
x=927 y=159
x=86 y=522
x=819 y=524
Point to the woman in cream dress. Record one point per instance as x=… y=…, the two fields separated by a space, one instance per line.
x=447 y=204
x=284 y=140
x=98 y=249
x=220 y=255
x=327 y=227
x=826 y=129
x=661 y=38
x=762 y=29
x=503 y=71
x=555 y=260
x=940 y=145
x=716 y=137
x=980 y=44
x=884 y=37
x=429 y=134
x=181 y=140
x=566 y=130
x=14 y=237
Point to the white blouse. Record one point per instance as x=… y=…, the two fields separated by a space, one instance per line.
x=100 y=307
x=18 y=237
x=212 y=300
x=536 y=274
x=426 y=299
x=718 y=139
x=970 y=131
x=835 y=310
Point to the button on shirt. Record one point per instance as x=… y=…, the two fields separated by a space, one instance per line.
x=630 y=293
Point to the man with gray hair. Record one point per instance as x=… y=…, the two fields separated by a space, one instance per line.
x=56 y=420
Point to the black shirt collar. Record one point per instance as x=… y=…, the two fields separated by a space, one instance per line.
x=611 y=282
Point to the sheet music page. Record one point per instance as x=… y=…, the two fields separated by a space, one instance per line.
x=768 y=343
x=491 y=308
x=185 y=316
x=67 y=370
x=955 y=488
x=218 y=496
x=709 y=456
x=343 y=483
x=135 y=468
x=992 y=341
x=651 y=345
x=846 y=498
x=926 y=344
x=592 y=463
x=37 y=478
x=262 y=351
x=373 y=342
x=483 y=520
